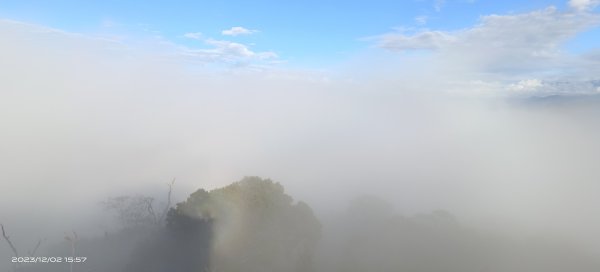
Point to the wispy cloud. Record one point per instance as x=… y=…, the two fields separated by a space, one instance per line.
x=438 y=5
x=421 y=20
x=420 y=40
x=222 y=53
x=238 y=30
x=193 y=35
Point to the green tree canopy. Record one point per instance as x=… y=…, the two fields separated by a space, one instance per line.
x=257 y=226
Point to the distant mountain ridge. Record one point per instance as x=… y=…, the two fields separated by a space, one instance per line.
x=561 y=93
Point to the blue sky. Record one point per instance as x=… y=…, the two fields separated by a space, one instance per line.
x=307 y=34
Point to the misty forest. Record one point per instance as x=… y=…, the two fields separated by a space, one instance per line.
x=254 y=225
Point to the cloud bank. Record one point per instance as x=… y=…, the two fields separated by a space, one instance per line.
x=510 y=47
x=583 y=5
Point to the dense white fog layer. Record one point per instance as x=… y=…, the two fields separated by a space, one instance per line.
x=83 y=119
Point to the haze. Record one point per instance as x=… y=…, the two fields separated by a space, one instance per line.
x=504 y=139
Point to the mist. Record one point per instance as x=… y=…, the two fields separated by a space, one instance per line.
x=86 y=118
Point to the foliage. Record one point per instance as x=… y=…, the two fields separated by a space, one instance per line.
x=257 y=226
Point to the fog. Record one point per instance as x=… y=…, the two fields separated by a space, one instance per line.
x=85 y=118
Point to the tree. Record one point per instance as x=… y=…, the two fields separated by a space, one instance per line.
x=13 y=248
x=256 y=226
x=139 y=210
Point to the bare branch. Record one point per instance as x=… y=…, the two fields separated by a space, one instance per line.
x=151 y=210
x=32 y=252
x=139 y=210
x=7 y=238
x=168 y=205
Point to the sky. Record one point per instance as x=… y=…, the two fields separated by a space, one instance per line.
x=316 y=35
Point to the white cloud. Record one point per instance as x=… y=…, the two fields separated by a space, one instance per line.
x=538 y=32
x=421 y=20
x=231 y=48
x=421 y=40
x=224 y=51
x=228 y=52
x=238 y=30
x=502 y=44
x=583 y=5
x=193 y=35
x=526 y=85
